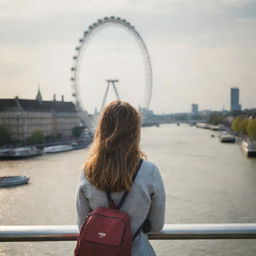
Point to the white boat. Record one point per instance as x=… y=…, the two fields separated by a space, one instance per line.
x=7 y=181
x=227 y=138
x=19 y=153
x=57 y=149
x=249 y=148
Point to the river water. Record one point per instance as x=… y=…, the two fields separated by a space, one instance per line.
x=206 y=182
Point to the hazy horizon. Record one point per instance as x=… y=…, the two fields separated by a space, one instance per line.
x=199 y=50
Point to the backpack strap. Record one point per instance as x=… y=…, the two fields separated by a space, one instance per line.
x=137 y=232
x=111 y=203
x=125 y=194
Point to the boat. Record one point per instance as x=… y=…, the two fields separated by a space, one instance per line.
x=227 y=138
x=19 y=153
x=249 y=148
x=57 y=149
x=7 y=181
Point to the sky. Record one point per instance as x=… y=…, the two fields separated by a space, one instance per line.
x=199 y=49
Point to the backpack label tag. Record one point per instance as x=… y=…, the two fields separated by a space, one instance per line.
x=101 y=234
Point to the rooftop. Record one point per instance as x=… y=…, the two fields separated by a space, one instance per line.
x=17 y=104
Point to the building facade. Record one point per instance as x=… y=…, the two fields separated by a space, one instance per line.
x=234 y=99
x=21 y=117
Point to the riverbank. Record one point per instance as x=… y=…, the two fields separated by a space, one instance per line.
x=247 y=144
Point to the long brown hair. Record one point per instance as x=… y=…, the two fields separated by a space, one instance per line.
x=115 y=153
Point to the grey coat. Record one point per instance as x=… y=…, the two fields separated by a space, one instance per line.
x=145 y=200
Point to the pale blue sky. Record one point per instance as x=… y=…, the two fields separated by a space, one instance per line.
x=198 y=48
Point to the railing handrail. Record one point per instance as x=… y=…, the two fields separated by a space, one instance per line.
x=170 y=231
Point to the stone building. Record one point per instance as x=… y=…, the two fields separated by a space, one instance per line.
x=22 y=116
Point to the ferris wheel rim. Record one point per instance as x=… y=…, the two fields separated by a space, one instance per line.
x=82 y=42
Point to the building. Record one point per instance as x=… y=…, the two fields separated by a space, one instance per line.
x=234 y=99
x=194 y=109
x=23 y=116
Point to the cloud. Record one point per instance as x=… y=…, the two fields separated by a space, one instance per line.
x=197 y=47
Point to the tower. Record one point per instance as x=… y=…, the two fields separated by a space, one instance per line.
x=39 y=95
x=234 y=99
x=195 y=109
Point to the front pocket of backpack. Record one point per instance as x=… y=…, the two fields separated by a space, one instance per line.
x=104 y=230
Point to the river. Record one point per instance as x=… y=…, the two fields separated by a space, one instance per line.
x=205 y=181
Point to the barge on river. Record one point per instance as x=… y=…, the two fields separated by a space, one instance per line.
x=227 y=138
x=19 y=153
x=7 y=181
x=57 y=149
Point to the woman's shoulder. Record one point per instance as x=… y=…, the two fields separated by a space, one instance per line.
x=148 y=164
x=149 y=167
x=83 y=179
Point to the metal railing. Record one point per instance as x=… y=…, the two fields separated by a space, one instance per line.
x=169 y=232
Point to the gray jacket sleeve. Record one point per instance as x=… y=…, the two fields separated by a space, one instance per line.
x=82 y=207
x=157 y=208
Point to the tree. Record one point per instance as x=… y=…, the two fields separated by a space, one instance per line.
x=77 y=131
x=251 y=128
x=5 y=135
x=242 y=126
x=236 y=122
x=59 y=136
x=37 y=136
x=216 y=118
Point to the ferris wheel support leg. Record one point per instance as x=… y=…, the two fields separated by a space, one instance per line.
x=117 y=95
x=104 y=99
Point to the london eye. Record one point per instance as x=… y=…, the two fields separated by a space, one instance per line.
x=77 y=59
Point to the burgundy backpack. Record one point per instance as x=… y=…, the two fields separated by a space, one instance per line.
x=107 y=231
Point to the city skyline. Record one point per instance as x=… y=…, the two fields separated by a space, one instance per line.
x=234 y=102
x=198 y=51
